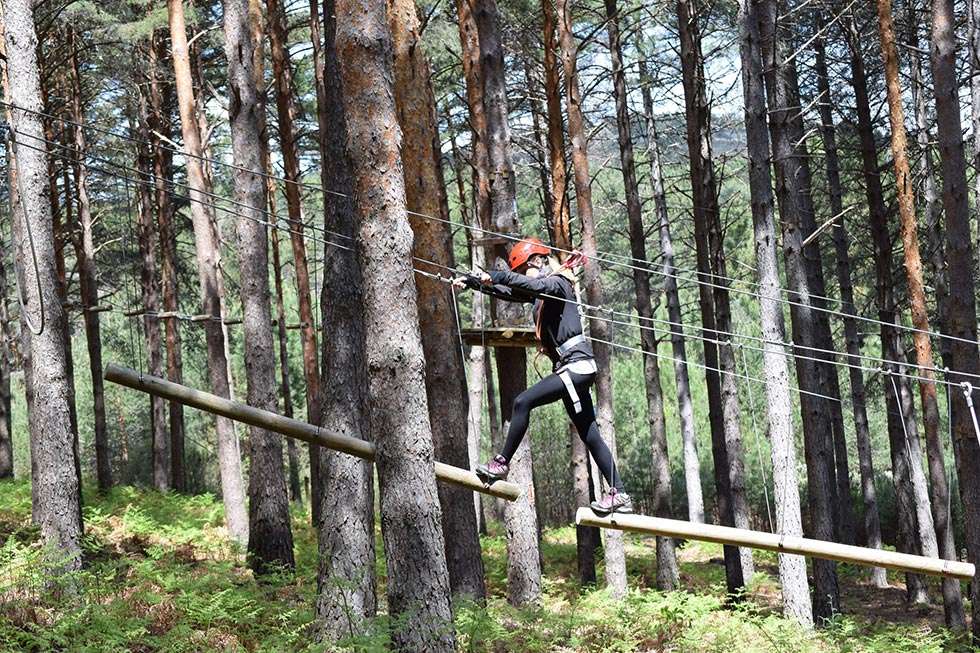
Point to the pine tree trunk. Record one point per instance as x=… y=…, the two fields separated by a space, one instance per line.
x=685 y=407
x=613 y=549
x=7 y=346
x=939 y=492
x=587 y=538
x=475 y=361
x=872 y=523
x=270 y=542
x=667 y=570
x=56 y=491
x=520 y=518
x=482 y=215
x=88 y=276
x=959 y=253
x=149 y=283
x=229 y=457
x=934 y=232
x=914 y=535
x=722 y=401
x=973 y=53
x=445 y=378
x=845 y=525
x=779 y=405
x=286 y=112
x=345 y=579
x=161 y=97
x=418 y=584
x=794 y=201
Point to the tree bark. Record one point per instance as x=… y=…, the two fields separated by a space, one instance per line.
x=286 y=112
x=161 y=97
x=345 y=580
x=939 y=492
x=613 y=548
x=685 y=406
x=56 y=491
x=779 y=405
x=88 y=276
x=796 y=209
x=445 y=378
x=872 y=523
x=150 y=285
x=270 y=542
x=587 y=538
x=959 y=254
x=229 y=457
x=418 y=584
x=915 y=521
x=475 y=361
x=845 y=526
x=726 y=445
x=520 y=518
x=667 y=569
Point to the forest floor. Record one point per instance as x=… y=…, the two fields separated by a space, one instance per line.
x=160 y=576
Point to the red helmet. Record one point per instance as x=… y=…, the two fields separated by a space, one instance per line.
x=524 y=250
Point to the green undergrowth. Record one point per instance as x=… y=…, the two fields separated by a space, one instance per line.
x=160 y=575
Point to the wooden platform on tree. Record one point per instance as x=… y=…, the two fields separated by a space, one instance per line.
x=501 y=337
x=776 y=542
x=287 y=426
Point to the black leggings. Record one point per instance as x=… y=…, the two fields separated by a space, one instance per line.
x=551 y=389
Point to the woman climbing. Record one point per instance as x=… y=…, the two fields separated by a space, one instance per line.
x=537 y=277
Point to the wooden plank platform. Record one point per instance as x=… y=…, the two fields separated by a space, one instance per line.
x=501 y=337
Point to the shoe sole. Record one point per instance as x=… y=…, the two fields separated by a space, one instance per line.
x=603 y=513
x=488 y=479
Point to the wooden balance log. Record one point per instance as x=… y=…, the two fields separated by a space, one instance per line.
x=292 y=428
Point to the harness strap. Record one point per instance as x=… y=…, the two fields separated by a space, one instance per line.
x=566 y=346
x=566 y=378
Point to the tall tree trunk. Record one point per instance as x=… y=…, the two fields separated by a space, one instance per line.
x=482 y=215
x=270 y=541
x=779 y=405
x=973 y=52
x=88 y=277
x=586 y=537
x=161 y=97
x=872 y=523
x=229 y=457
x=475 y=361
x=7 y=346
x=523 y=559
x=915 y=521
x=936 y=259
x=845 y=525
x=959 y=253
x=345 y=579
x=295 y=489
x=613 y=549
x=286 y=112
x=150 y=285
x=939 y=492
x=793 y=195
x=685 y=406
x=56 y=491
x=726 y=445
x=418 y=584
x=445 y=378
x=667 y=570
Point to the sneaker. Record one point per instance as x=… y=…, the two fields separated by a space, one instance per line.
x=613 y=501
x=495 y=470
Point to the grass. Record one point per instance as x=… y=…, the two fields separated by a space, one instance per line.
x=160 y=575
